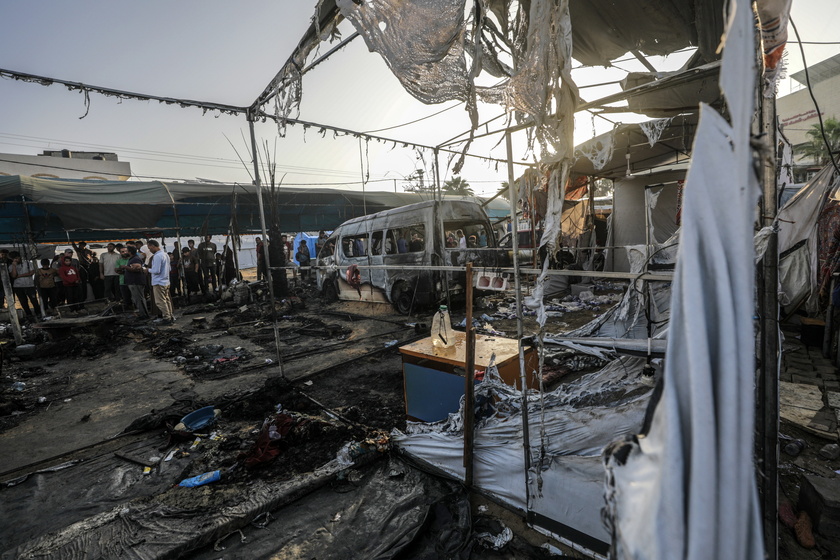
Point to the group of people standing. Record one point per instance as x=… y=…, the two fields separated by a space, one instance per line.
x=123 y=272
x=302 y=255
x=62 y=280
x=203 y=268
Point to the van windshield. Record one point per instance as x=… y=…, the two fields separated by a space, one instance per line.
x=463 y=234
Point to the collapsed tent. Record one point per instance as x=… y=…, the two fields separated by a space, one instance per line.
x=559 y=486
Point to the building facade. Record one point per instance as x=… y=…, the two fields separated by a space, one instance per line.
x=65 y=164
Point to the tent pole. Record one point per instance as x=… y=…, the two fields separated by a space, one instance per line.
x=437 y=175
x=181 y=272
x=768 y=386
x=235 y=229
x=258 y=185
x=362 y=168
x=469 y=385
x=526 y=435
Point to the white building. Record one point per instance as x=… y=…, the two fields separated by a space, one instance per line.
x=796 y=111
x=65 y=164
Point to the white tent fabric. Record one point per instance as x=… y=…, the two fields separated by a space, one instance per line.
x=565 y=483
x=687 y=490
x=798 y=222
x=630 y=205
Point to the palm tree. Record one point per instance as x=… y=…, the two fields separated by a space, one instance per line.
x=815 y=147
x=457 y=186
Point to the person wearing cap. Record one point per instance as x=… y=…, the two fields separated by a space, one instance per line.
x=143 y=256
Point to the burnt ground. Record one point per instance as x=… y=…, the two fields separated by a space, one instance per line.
x=88 y=396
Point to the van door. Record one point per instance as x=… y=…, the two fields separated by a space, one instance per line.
x=378 y=276
x=354 y=275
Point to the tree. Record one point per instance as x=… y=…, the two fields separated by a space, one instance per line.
x=417 y=183
x=815 y=146
x=457 y=186
x=504 y=192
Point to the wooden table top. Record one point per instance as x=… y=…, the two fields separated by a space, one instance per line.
x=485 y=346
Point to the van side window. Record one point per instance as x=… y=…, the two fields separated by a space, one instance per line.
x=354 y=245
x=391 y=246
x=416 y=237
x=376 y=243
x=466 y=235
x=409 y=239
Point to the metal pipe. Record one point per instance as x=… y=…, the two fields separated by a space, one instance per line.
x=469 y=385
x=526 y=436
x=768 y=386
x=265 y=245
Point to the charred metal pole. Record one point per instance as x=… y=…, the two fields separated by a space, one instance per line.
x=768 y=386
x=258 y=185
x=514 y=227
x=234 y=226
x=469 y=385
x=437 y=175
x=182 y=274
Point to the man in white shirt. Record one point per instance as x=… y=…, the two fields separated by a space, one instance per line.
x=159 y=269
x=107 y=269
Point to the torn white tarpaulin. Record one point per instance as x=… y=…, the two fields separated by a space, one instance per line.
x=579 y=419
x=653 y=129
x=687 y=490
x=798 y=223
x=598 y=150
x=644 y=311
x=760 y=241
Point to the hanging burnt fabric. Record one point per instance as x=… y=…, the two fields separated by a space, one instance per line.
x=421 y=42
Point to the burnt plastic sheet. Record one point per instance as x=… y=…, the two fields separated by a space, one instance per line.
x=388 y=511
x=373 y=513
x=52 y=499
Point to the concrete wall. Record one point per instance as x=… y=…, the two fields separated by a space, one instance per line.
x=797 y=114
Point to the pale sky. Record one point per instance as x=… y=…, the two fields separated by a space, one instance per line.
x=227 y=52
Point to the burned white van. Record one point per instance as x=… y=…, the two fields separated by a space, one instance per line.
x=381 y=257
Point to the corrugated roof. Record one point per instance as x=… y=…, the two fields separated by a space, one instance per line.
x=820 y=71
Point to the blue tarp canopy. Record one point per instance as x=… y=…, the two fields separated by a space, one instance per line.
x=55 y=210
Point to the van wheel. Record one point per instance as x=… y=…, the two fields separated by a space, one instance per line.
x=401 y=298
x=329 y=293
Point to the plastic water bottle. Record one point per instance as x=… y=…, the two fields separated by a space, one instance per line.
x=442 y=334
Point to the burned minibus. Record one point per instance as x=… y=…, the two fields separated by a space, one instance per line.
x=387 y=257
